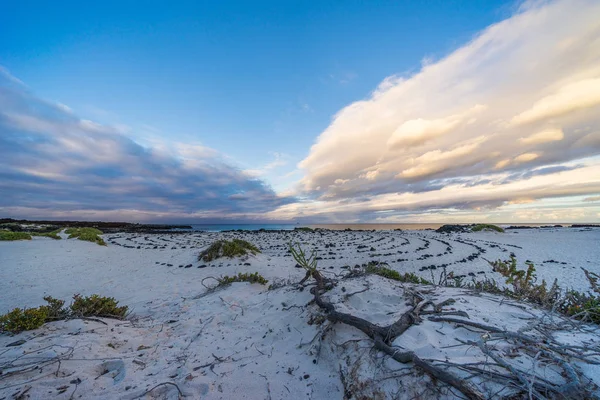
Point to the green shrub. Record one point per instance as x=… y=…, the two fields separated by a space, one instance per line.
x=227 y=248
x=54 y=310
x=579 y=305
x=8 y=235
x=486 y=227
x=97 y=306
x=409 y=277
x=19 y=320
x=251 y=278
x=87 y=234
x=52 y=235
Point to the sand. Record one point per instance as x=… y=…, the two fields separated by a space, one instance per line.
x=245 y=341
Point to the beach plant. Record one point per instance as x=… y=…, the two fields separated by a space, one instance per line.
x=87 y=234
x=309 y=263
x=243 y=277
x=97 y=306
x=486 y=227
x=9 y=235
x=408 y=277
x=53 y=234
x=19 y=320
x=227 y=248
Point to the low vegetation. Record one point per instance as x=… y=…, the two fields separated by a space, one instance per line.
x=19 y=320
x=97 y=306
x=584 y=306
x=51 y=235
x=486 y=227
x=87 y=234
x=227 y=248
x=9 y=235
x=409 y=277
x=304 y=229
x=245 y=277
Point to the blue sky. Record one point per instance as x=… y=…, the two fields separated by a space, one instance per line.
x=246 y=78
x=266 y=85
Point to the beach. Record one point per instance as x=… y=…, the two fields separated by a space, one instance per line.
x=244 y=340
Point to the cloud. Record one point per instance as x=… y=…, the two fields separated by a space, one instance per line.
x=522 y=95
x=548 y=135
x=279 y=160
x=53 y=163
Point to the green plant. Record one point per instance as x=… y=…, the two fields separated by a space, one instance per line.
x=52 y=234
x=308 y=263
x=246 y=277
x=19 y=320
x=54 y=309
x=9 y=235
x=97 y=306
x=486 y=227
x=227 y=248
x=378 y=269
x=87 y=234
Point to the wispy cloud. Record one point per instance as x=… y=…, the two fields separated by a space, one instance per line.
x=521 y=96
x=53 y=163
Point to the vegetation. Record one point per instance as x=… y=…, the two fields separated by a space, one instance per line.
x=486 y=227
x=87 y=234
x=409 y=277
x=52 y=234
x=304 y=229
x=97 y=306
x=8 y=235
x=246 y=277
x=584 y=306
x=19 y=320
x=310 y=263
x=227 y=248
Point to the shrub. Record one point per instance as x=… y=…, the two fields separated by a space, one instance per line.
x=52 y=234
x=54 y=309
x=227 y=248
x=8 y=235
x=378 y=269
x=251 y=278
x=19 y=320
x=87 y=234
x=97 y=306
x=486 y=227
x=579 y=305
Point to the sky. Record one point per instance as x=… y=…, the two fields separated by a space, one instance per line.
x=301 y=111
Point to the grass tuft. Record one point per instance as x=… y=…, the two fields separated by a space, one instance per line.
x=227 y=248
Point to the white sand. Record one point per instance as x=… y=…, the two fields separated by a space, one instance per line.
x=245 y=341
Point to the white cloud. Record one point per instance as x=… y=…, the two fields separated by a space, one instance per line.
x=524 y=94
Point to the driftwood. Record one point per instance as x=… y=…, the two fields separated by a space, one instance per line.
x=384 y=335
x=541 y=348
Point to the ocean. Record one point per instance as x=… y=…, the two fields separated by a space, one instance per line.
x=289 y=227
